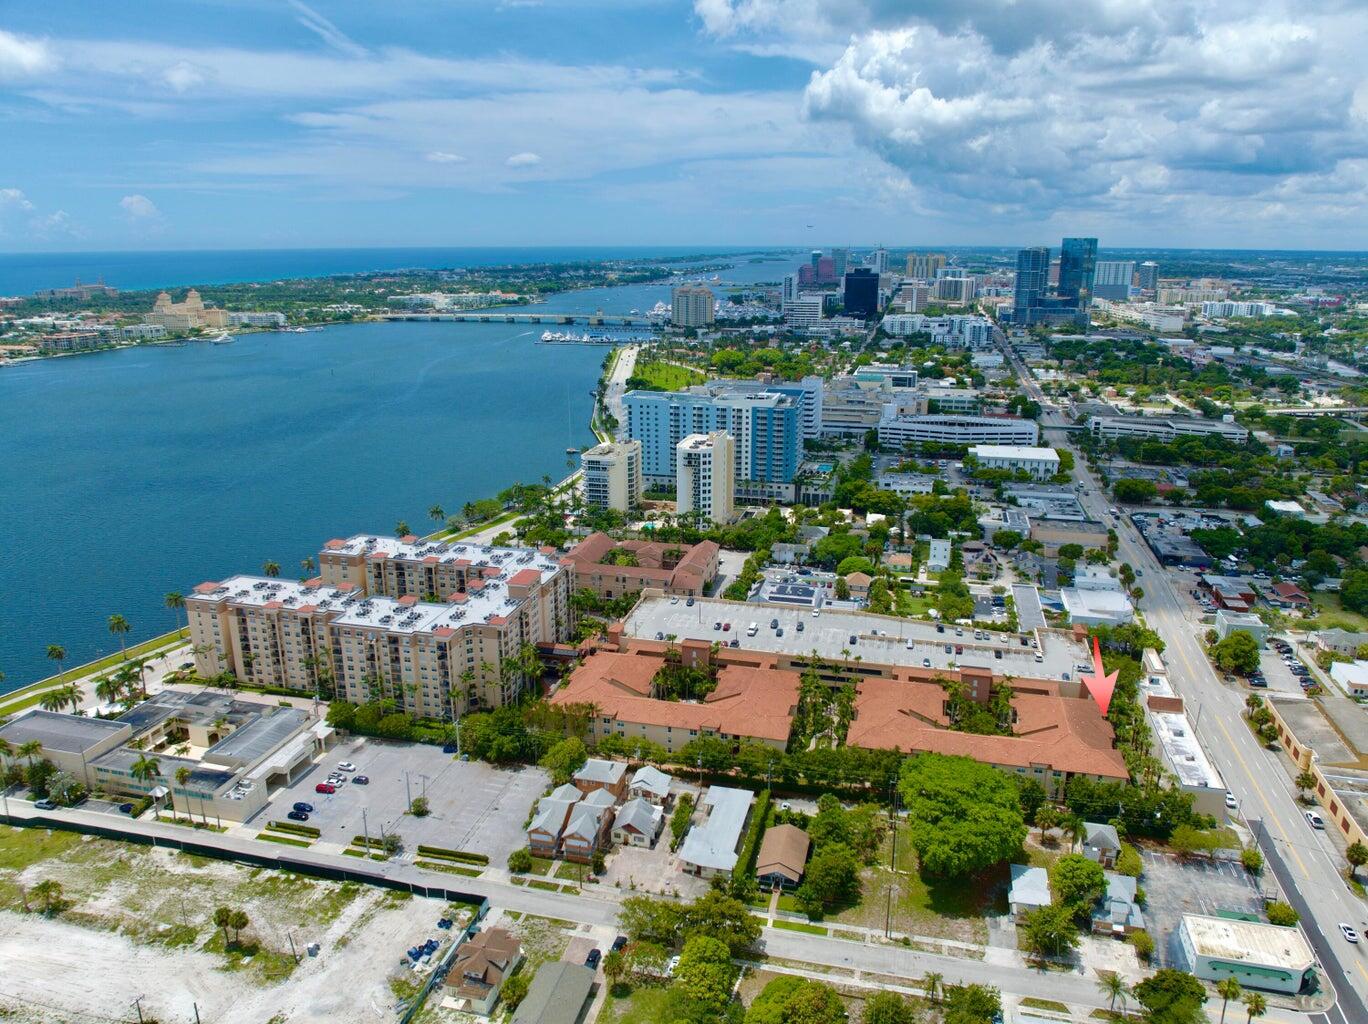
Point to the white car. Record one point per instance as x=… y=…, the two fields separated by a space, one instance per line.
x=1314 y=820
x=346 y=766
x=1231 y=802
x=1349 y=934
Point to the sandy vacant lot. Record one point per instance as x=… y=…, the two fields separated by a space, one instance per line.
x=138 y=922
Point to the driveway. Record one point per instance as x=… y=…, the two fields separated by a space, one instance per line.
x=475 y=806
x=729 y=565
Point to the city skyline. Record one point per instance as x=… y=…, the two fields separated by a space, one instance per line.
x=717 y=122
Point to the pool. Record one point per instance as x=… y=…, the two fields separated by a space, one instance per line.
x=825 y=467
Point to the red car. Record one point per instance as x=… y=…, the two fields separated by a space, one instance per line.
x=325 y=787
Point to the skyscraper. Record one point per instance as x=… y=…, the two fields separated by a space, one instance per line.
x=704 y=475
x=862 y=293
x=790 y=289
x=1113 y=279
x=1147 y=276
x=691 y=305
x=1033 y=269
x=924 y=265
x=839 y=259
x=879 y=260
x=813 y=258
x=826 y=271
x=1077 y=267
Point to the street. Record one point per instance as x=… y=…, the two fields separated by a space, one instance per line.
x=1251 y=772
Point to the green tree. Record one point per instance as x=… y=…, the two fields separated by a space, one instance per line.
x=271 y=569
x=564 y=759
x=1172 y=997
x=1305 y=782
x=1357 y=855
x=614 y=967
x=1050 y=930
x=1077 y=883
x=420 y=808
x=520 y=861
x=1282 y=914
x=49 y=893
x=57 y=653
x=963 y=816
x=175 y=601
x=401 y=528
x=792 y=1000
x=722 y=917
x=972 y=1004
x=832 y=877
x=1255 y=1006
x=437 y=514
x=119 y=627
x=1227 y=989
x=887 y=1008
x=705 y=972
x=1134 y=492
x=1238 y=653
x=182 y=776
x=1114 y=987
x=514 y=990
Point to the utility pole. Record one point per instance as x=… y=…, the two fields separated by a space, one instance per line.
x=195 y=1006
x=365 y=829
x=293 y=952
x=408 y=794
x=137 y=1005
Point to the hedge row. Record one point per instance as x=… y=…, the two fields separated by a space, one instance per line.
x=296 y=829
x=460 y=856
x=284 y=840
x=750 y=849
x=371 y=841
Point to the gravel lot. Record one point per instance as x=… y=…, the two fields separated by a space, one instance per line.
x=475 y=806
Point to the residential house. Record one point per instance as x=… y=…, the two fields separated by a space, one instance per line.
x=1117 y=912
x=544 y=832
x=782 y=858
x=859 y=582
x=1340 y=641
x=557 y=994
x=709 y=850
x=588 y=827
x=637 y=823
x=1101 y=843
x=650 y=784
x=600 y=774
x=482 y=964
x=1030 y=890
x=1287 y=595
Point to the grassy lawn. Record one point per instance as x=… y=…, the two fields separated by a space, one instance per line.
x=1331 y=613
x=18 y=700
x=800 y=926
x=542 y=866
x=947 y=909
x=452 y=869
x=666 y=376
x=912 y=607
x=542 y=938
x=642 y=1005
x=1044 y=1004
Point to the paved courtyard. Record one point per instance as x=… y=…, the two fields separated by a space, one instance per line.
x=475 y=806
x=1199 y=886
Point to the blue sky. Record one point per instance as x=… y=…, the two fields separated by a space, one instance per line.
x=279 y=123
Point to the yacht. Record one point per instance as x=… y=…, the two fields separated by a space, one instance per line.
x=222 y=339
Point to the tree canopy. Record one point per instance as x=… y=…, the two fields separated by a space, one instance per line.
x=963 y=816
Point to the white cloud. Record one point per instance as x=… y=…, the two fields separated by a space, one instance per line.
x=1121 y=109
x=20 y=56
x=183 y=76
x=326 y=30
x=523 y=160
x=14 y=199
x=438 y=156
x=139 y=208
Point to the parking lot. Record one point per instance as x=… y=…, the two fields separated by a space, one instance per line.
x=1279 y=676
x=474 y=806
x=1199 y=886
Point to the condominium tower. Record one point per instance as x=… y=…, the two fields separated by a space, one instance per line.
x=704 y=478
x=691 y=305
x=612 y=475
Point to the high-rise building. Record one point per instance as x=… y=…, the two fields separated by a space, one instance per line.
x=1147 y=276
x=806 y=392
x=840 y=258
x=955 y=290
x=826 y=270
x=1113 y=279
x=765 y=426
x=1033 y=268
x=925 y=265
x=862 y=293
x=789 y=292
x=691 y=305
x=612 y=475
x=1077 y=269
x=814 y=258
x=878 y=260
x=705 y=476
x=804 y=311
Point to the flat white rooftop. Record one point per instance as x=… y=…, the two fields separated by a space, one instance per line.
x=830 y=634
x=1249 y=942
x=1014 y=451
x=479 y=556
x=259 y=591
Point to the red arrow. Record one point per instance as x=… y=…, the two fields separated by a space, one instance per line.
x=1099 y=683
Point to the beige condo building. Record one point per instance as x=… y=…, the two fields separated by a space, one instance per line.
x=187 y=315
x=612 y=475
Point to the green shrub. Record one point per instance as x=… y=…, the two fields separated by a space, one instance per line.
x=1282 y=914
x=520 y=861
x=461 y=856
x=1128 y=861
x=750 y=847
x=296 y=829
x=1144 y=945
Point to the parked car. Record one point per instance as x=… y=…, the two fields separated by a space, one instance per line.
x=717 y=626
x=619 y=943
x=364 y=780
x=926 y=663
x=1349 y=934
x=592 y=960
x=726 y=627
x=126 y=808
x=1231 y=802
x=800 y=625
x=300 y=805
x=325 y=787
x=297 y=816
x=689 y=603
x=670 y=967
x=346 y=766
x=854 y=639
x=1314 y=820
x=44 y=805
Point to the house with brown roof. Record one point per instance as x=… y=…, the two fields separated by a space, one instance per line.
x=1053 y=737
x=482 y=963
x=751 y=701
x=859 y=582
x=617 y=568
x=783 y=857
x=1288 y=595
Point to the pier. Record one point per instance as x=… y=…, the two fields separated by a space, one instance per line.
x=591 y=319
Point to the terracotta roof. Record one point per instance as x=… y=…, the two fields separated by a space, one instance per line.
x=753 y=702
x=483 y=960
x=335 y=543
x=1066 y=734
x=207 y=587
x=524 y=578
x=1289 y=592
x=689 y=572
x=783 y=851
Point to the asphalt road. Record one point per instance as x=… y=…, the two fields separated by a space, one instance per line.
x=1252 y=773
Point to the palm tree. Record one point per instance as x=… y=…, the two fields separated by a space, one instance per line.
x=401 y=528
x=6 y=752
x=307 y=565
x=146 y=769
x=1304 y=781
x=53 y=700
x=108 y=689
x=933 y=983
x=182 y=777
x=1227 y=989
x=119 y=626
x=437 y=514
x=57 y=653
x=175 y=600
x=1255 y=1006
x=28 y=750
x=271 y=569
x=73 y=696
x=1113 y=986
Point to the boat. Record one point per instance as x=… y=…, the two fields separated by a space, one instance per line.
x=572 y=451
x=222 y=339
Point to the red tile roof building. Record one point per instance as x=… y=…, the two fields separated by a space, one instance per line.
x=673 y=568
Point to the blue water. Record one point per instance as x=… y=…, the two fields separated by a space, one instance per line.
x=128 y=474
x=25 y=273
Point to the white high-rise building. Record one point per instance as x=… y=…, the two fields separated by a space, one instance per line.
x=790 y=290
x=612 y=475
x=1112 y=279
x=879 y=260
x=691 y=305
x=804 y=311
x=703 y=481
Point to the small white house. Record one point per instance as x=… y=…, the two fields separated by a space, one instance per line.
x=637 y=823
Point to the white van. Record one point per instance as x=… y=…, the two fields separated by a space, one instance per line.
x=752 y=629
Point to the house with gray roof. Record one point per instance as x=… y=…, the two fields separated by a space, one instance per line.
x=637 y=823
x=1101 y=843
x=544 y=830
x=598 y=773
x=1117 y=912
x=650 y=783
x=710 y=847
x=1030 y=890
x=557 y=995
